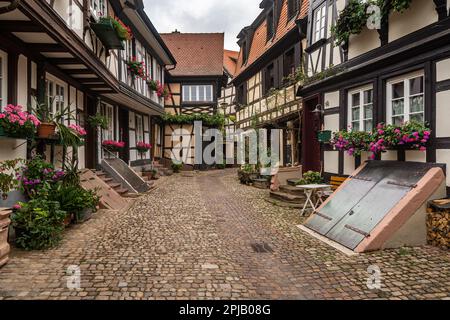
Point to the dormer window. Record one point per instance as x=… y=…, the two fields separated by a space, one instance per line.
x=244 y=52
x=270 y=25
x=293 y=7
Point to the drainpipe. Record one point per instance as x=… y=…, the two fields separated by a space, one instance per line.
x=11 y=7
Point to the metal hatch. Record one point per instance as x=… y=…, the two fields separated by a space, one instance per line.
x=352 y=214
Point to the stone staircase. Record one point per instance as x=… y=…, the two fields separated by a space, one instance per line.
x=288 y=196
x=162 y=170
x=118 y=187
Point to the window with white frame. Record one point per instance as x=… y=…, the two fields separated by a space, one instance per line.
x=360 y=109
x=139 y=129
x=319 y=22
x=3 y=78
x=56 y=95
x=98 y=8
x=108 y=112
x=198 y=93
x=406 y=99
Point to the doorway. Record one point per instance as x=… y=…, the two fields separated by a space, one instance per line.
x=310 y=144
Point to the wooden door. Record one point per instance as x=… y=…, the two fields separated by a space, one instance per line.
x=311 y=146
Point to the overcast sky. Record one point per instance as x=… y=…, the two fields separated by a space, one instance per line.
x=228 y=16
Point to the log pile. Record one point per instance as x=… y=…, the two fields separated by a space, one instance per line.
x=4 y=246
x=438 y=224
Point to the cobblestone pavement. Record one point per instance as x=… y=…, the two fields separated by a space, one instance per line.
x=192 y=239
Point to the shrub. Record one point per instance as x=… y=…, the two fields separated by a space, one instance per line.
x=310 y=177
x=39 y=224
x=73 y=199
x=177 y=166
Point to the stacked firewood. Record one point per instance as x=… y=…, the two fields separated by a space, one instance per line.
x=438 y=224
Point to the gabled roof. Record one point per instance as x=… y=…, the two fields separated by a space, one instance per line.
x=230 y=59
x=197 y=54
x=258 y=33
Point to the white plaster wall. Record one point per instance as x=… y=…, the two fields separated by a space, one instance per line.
x=443 y=156
x=331 y=161
x=331 y=122
x=443 y=114
x=33 y=75
x=11 y=149
x=364 y=42
x=331 y=100
x=22 y=81
x=349 y=164
x=443 y=70
x=419 y=15
x=390 y=155
x=416 y=156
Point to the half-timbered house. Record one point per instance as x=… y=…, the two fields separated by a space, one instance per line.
x=61 y=49
x=194 y=87
x=271 y=50
x=393 y=74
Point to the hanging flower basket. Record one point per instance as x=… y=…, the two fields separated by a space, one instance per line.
x=112 y=32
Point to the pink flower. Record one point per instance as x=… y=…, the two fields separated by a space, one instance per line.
x=2 y=115
x=17 y=207
x=423 y=149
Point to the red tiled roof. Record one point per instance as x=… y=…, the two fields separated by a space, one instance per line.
x=230 y=59
x=260 y=44
x=197 y=54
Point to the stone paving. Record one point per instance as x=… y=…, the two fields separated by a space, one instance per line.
x=192 y=239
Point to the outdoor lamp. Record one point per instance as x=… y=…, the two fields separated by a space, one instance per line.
x=318 y=110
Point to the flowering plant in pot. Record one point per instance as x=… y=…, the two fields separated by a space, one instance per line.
x=16 y=123
x=123 y=31
x=143 y=147
x=43 y=111
x=136 y=68
x=113 y=146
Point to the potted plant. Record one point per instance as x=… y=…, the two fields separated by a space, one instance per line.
x=38 y=224
x=153 y=85
x=143 y=148
x=43 y=111
x=123 y=31
x=136 y=68
x=98 y=121
x=16 y=123
x=177 y=166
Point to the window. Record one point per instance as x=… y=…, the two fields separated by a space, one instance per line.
x=3 y=78
x=270 y=25
x=361 y=109
x=292 y=8
x=269 y=78
x=56 y=94
x=139 y=129
x=406 y=99
x=108 y=112
x=319 y=22
x=244 y=52
x=289 y=63
x=98 y=8
x=241 y=95
x=198 y=93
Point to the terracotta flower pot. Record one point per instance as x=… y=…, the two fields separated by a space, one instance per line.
x=4 y=227
x=46 y=130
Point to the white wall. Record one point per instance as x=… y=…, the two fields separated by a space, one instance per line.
x=22 y=81
x=331 y=161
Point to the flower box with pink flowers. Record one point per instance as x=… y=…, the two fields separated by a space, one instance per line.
x=16 y=123
x=143 y=147
x=411 y=135
x=113 y=146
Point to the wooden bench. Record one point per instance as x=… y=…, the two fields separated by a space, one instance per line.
x=336 y=182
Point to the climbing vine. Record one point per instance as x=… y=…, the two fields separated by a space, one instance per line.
x=216 y=121
x=355 y=15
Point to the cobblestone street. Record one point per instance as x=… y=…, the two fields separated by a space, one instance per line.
x=192 y=239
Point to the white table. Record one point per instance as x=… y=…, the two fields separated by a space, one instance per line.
x=310 y=191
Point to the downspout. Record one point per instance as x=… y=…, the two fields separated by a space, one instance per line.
x=11 y=7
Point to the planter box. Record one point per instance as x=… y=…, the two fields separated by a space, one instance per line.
x=4 y=227
x=107 y=34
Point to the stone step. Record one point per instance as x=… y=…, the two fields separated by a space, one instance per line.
x=292 y=182
x=286 y=197
x=122 y=191
x=292 y=190
x=107 y=180
x=100 y=174
x=261 y=183
x=115 y=186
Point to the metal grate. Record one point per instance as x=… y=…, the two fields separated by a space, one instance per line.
x=261 y=247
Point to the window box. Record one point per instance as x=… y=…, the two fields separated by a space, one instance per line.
x=107 y=34
x=324 y=136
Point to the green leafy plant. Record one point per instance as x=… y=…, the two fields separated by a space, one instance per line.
x=38 y=224
x=98 y=121
x=73 y=198
x=216 y=120
x=8 y=179
x=176 y=166
x=310 y=177
x=123 y=31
